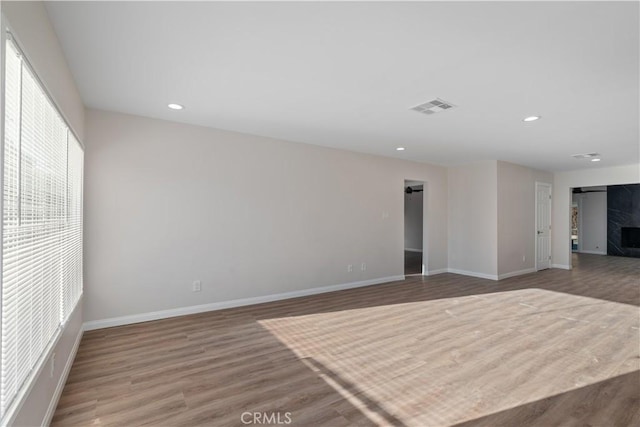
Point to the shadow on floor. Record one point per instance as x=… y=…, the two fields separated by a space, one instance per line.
x=189 y=371
x=352 y=389
x=605 y=403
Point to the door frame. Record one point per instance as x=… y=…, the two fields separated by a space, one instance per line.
x=578 y=205
x=425 y=230
x=535 y=223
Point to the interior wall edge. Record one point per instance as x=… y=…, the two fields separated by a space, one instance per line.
x=438 y=271
x=516 y=273
x=473 y=274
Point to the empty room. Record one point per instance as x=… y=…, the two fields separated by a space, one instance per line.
x=414 y=214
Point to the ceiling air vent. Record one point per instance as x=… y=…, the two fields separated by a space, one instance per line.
x=585 y=156
x=432 y=107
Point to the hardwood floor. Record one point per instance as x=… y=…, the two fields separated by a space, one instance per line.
x=412 y=262
x=545 y=349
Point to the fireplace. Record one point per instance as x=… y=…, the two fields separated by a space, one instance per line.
x=630 y=237
x=623 y=220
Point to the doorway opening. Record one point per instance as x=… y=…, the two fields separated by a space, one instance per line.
x=607 y=220
x=413 y=227
x=589 y=220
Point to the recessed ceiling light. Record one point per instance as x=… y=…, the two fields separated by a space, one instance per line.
x=531 y=119
x=595 y=160
x=400 y=149
x=175 y=106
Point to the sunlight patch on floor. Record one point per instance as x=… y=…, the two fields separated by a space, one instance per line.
x=450 y=360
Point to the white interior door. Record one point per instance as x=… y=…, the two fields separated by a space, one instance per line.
x=543 y=226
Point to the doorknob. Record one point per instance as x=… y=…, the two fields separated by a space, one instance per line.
x=539 y=232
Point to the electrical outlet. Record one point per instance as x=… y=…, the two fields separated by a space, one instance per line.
x=197 y=286
x=363 y=266
x=349 y=268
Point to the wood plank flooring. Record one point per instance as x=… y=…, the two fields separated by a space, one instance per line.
x=554 y=348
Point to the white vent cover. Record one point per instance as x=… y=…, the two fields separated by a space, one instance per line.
x=585 y=156
x=432 y=107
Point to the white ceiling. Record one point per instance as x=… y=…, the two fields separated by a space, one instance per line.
x=345 y=74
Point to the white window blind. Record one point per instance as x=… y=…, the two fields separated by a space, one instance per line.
x=41 y=228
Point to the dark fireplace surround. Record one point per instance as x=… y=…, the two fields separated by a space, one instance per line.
x=623 y=220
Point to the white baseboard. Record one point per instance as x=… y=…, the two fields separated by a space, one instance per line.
x=481 y=275
x=516 y=273
x=592 y=252
x=473 y=274
x=63 y=380
x=562 y=266
x=413 y=250
x=182 y=311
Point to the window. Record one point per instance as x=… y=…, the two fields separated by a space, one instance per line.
x=41 y=225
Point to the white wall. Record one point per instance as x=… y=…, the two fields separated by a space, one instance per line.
x=413 y=220
x=516 y=217
x=593 y=214
x=169 y=203
x=473 y=209
x=492 y=218
x=31 y=27
x=562 y=184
